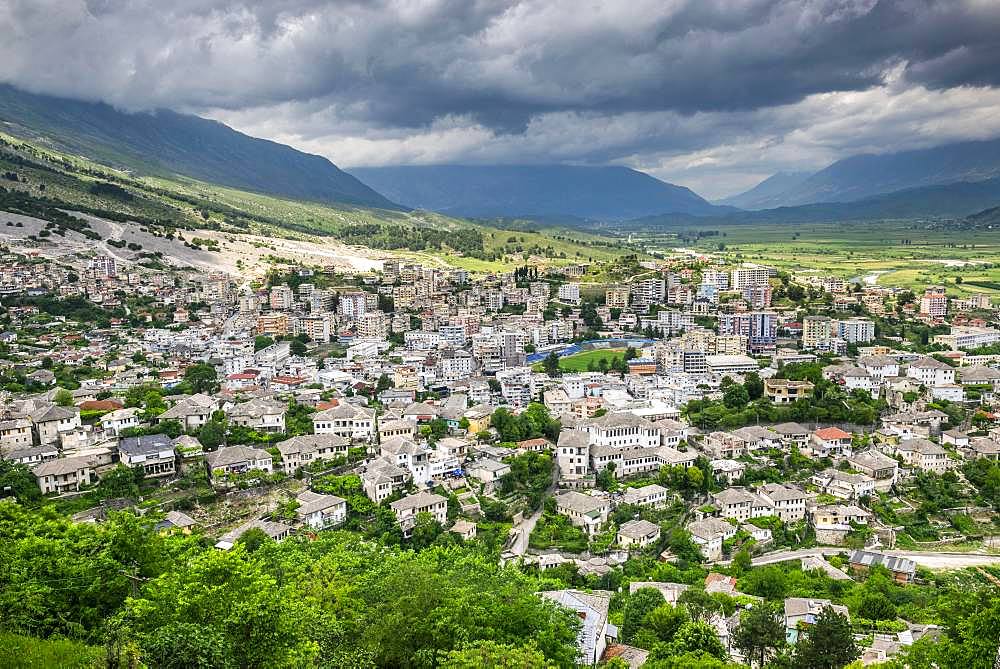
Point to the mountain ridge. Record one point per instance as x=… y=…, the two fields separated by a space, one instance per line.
x=167 y=143
x=866 y=175
x=486 y=191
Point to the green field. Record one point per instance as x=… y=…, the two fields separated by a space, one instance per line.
x=24 y=652
x=906 y=254
x=580 y=362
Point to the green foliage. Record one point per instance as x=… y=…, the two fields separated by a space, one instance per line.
x=202 y=378
x=531 y=423
x=120 y=482
x=335 y=601
x=490 y=655
x=261 y=342
x=26 y=652
x=828 y=644
x=695 y=638
x=829 y=403
x=760 y=633
x=212 y=434
x=639 y=605
x=530 y=474
x=63 y=398
x=556 y=531
x=17 y=480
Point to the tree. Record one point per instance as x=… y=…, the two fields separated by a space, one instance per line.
x=735 y=396
x=221 y=603
x=120 y=482
x=491 y=655
x=759 y=634
x=63 y=398
x=261 y=342
x=639 y=604
x=253 y=539
x=426 y=529
x=742 y=561
x=551 y=364
x=605 y=479
x=212 y=434
x=202 y=378
x=697 y=637
x=754 y=385
x=297 y=347
x=665 y=620
x=828 y=644
x=17 y=480
x=876 y=606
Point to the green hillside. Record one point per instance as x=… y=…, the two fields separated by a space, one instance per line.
x=166 y=143
x=42 y=182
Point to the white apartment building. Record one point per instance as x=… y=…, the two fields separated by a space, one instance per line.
x=569 y=292
x=856 y=330
x=750 y=275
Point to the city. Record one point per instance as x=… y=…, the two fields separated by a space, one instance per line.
x=507 y=334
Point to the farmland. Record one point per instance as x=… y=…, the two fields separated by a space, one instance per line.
x=905 y=254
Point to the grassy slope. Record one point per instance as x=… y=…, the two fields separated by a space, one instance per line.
x=24 y=652
x=187 y=202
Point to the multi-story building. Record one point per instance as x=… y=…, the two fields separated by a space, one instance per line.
x=856 y=330
x=569 y=292
x=759 y=327
x=352 y=305
x=272 y=325
x=616 y=297
x=934 y=302
x=815 y=330
x=373 y=324
x=281 y=298
x=750 y=275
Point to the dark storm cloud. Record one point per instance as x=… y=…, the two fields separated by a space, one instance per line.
x=646 y=78
x=402 y=63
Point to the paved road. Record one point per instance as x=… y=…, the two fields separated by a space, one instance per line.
x=524 y=528
x=929 y=559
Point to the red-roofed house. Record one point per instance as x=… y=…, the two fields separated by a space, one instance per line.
x=288 y=382
x=248 y=378
x=830 y=441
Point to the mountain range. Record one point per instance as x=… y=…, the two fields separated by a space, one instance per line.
x=165 y=143
x=953 y=180
x=487 y=191
x=867 y=175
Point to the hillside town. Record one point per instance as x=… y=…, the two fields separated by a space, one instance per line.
x=699 y=413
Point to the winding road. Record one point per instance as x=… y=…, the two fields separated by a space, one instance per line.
x=929 y=559
x=524 y=528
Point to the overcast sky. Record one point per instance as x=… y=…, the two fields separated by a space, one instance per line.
x=711 y=94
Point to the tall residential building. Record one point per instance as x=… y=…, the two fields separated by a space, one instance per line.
x=856 y=330
x=373 y=324
x=760 y=328
x=570 y=292
x=717 y=278
x=815 y=329
x=750 y=275
x=282 y=298
x=352 y=305
x=616 y=297
x=934 y=302
x=759 y=296
x=272 y=325
x=648 y=291
x=104 y=267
